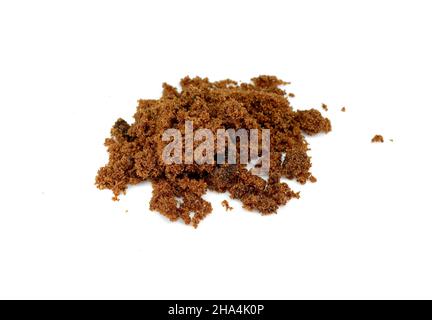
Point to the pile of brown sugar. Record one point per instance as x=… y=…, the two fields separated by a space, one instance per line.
x=378 y=139
x=135 y=150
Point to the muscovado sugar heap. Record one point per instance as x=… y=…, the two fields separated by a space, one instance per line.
x=136 y=150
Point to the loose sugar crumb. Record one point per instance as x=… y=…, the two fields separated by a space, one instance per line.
x=226 y=205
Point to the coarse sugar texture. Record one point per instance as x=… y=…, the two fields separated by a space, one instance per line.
x=135 y=150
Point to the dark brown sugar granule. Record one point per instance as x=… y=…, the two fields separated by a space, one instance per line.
x=135 y=150
x=226 y=205
x=377 y=139
x=324 y=107
x=343 y=109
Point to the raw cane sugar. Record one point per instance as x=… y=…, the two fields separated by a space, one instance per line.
x=136 y=149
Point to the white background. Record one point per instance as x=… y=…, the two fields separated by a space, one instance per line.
x=69 y=69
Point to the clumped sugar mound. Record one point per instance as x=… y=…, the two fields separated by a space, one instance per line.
x=135 y=150
x=377 y=139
